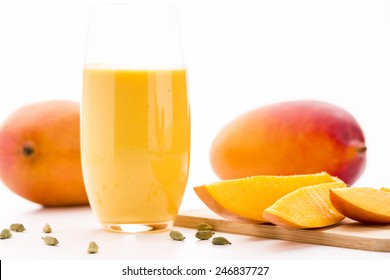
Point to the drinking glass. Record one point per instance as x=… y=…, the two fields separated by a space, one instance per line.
x=135 y=117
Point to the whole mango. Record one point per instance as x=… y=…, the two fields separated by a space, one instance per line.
x=287 y=138
x=40 y=153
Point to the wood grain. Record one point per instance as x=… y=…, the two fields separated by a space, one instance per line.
x=346 y=234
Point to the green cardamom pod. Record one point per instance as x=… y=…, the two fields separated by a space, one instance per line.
x=203 y=226
x=176 y=235
x=220 y=241
x=47 y=228
x=93 y=248
x=5 y=234
x=204 y=234
x=50 y=240
x=17 y=227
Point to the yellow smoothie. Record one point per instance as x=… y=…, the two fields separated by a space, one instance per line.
x=135 y=143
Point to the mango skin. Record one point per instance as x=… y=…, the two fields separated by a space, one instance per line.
x=288 y=138
x=40 y=153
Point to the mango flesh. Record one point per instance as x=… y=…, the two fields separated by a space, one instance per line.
x=245 y=199
x=367 y=205
x=40 y=153
x=287 y=138
x=307 y=207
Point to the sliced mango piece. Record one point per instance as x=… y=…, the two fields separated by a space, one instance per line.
x=307 y=207
x=367 y=205
x=245 y=199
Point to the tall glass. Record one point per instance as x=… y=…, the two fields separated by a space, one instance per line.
x=135 y=117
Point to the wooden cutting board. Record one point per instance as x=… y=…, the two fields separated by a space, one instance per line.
x=346 y=234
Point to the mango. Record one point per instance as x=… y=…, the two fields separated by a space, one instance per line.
x=288 y=138
x=307 y=207
x=245 y=199
x=40 y=153
x=363 y=204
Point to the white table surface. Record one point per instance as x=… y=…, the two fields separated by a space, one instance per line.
x=75 y=227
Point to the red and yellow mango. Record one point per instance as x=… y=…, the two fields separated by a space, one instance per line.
x=288 y=138
x=40 y=153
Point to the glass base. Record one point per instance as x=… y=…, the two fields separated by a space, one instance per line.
x=139 y=228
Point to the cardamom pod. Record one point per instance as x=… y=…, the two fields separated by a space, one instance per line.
x=93 y=248
x=5 y=234
x=203 y=226
x=204 y=234
x=50 y=240
x=17 y=227
x=176 y=235
x=47 y=228
x=220 y=241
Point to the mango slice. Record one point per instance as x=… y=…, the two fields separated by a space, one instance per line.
x=245 y=199
x=367 y=205
x=307 y=207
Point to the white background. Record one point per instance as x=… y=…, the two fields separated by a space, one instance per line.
x=240 y=55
